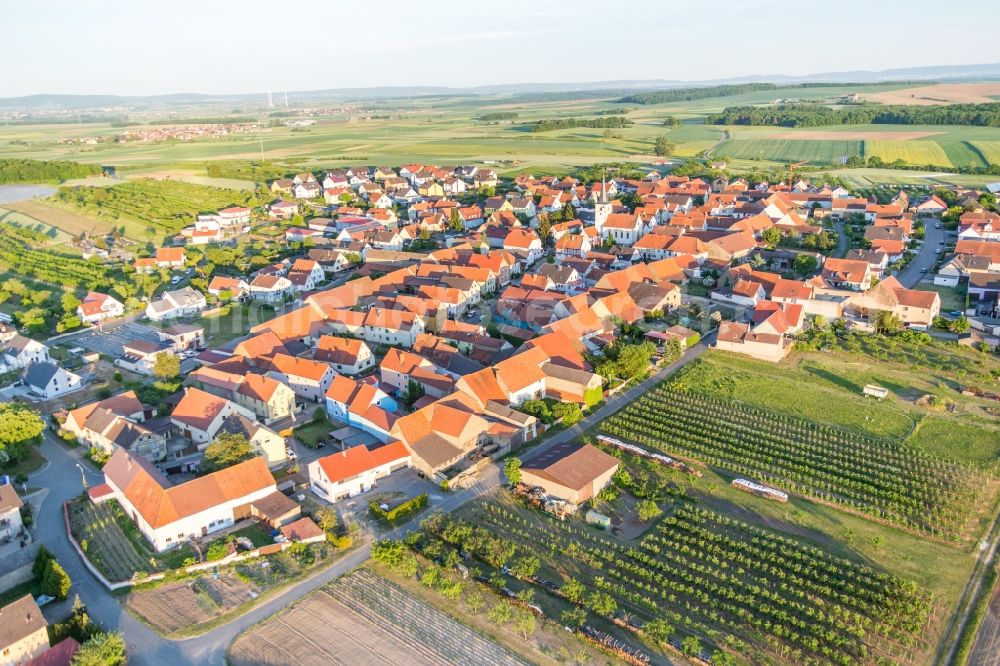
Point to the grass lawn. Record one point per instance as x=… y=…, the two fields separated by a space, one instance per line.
x=32 y=587
x=826 y=387
x=31 y=462
x=311 y=434
x=222 y=328
x=257 y=533
x=952 y=298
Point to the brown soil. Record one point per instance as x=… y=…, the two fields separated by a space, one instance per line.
x=939 y=93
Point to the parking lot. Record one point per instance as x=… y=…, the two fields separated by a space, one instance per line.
x=109 y=342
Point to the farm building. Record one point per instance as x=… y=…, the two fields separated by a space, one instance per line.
x=574 y=472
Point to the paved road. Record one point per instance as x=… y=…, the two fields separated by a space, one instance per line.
x=841 y=229
x=62 y=478
x=925 y=258
x=986 y=649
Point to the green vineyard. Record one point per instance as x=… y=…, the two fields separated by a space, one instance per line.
x=752 y=589
x=878 y=478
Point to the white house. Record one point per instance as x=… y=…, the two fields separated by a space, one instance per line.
x=98 y=307
x=10 y=512
x=362 y=405
x=140 y=355
x=309 y=379
x=173 y=304
x=623 y=228
x=20 y=352
x=171 y=515
x=270 y=288
x=199 y=415
x=47 y=380
x=355 y=470
x=348 y=356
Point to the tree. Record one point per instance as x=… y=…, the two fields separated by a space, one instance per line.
x=395 y=555
x=544 y=228
x=648 y=509
x=771 y=236
x=671 y=121
x=960 y=325
x=658 y=629
x=663 y=147
x=720 y=658
x=886 y=322
x=42 y=560
x=525 y=566
x=524 y=621
x=805 y=264
x=512 y=470
x=574 y=617
x=166 y=366
x=103 y=649
x=69 y=302
x=19 y=428
x=602 y=603
x=226 y=450
x=569 y=412
x=573 y=590
x=691 y=646
x=499 y=614
x=455 y=221
x=55 y=580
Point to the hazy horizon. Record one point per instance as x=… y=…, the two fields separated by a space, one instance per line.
x=121 y=48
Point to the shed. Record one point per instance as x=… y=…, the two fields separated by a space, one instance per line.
x=874 y=391
x=276 y=509
x=597 y=519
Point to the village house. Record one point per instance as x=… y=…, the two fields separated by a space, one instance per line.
x=362 y=405
x=269 y=399
x=740 y=337
x=183 y=337
x=24 y=632
x=184 y=302
x=140 y=356
x=847 y=274
x=47 y=380
x=916 y=309
x=199 y=415
x=169 y=516
x=234 y=287
x=569 y=471
x=97 y=307
x=355 y=470
x=309 y=379
x=270 y=288
x=348 y=356
x=20 y=352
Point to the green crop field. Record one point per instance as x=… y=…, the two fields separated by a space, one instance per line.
x=990 y=150
x=789 y=150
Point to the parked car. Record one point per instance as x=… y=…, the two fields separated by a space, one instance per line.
x=44 y=599
x=175 y=279
x=956 y=313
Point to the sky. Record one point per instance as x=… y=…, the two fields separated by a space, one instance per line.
x=139 y=47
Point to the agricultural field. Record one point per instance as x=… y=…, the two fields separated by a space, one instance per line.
x=447 y=129
x=66 y=221
x=162 y=207
x=728 y=584
x=892 y=483
x=789 y=150
x=365 y=618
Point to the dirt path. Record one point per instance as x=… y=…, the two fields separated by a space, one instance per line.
x=986 y=650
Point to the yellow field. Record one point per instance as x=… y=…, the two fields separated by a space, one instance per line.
x=989 y=149
x=911 y=152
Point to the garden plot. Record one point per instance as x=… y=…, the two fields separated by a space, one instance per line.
x=365 y=619
x=174 y=606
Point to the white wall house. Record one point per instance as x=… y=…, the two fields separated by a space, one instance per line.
x=174 y=304
x=97 y=307
x=47 y=380
x=355 y=470
x=20 y=352
x=171 y=515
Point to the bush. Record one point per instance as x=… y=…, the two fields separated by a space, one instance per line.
x=401 y=511
x=217 y=550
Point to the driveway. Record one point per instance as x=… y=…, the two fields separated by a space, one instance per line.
x=925 y=258
x=62 y=479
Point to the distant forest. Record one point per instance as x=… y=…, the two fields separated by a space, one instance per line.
x=499 y=115
x=567 y=123
x=814 y=115
x=38 y=171
x=728 y=90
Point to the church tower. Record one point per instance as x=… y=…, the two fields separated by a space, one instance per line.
x=602 y=208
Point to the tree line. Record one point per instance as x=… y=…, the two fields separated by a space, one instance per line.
x=569 y=123
x=813 y=115
x=498 y=115
x=42 y=171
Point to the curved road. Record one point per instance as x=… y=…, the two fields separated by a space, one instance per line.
x=62 y=478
